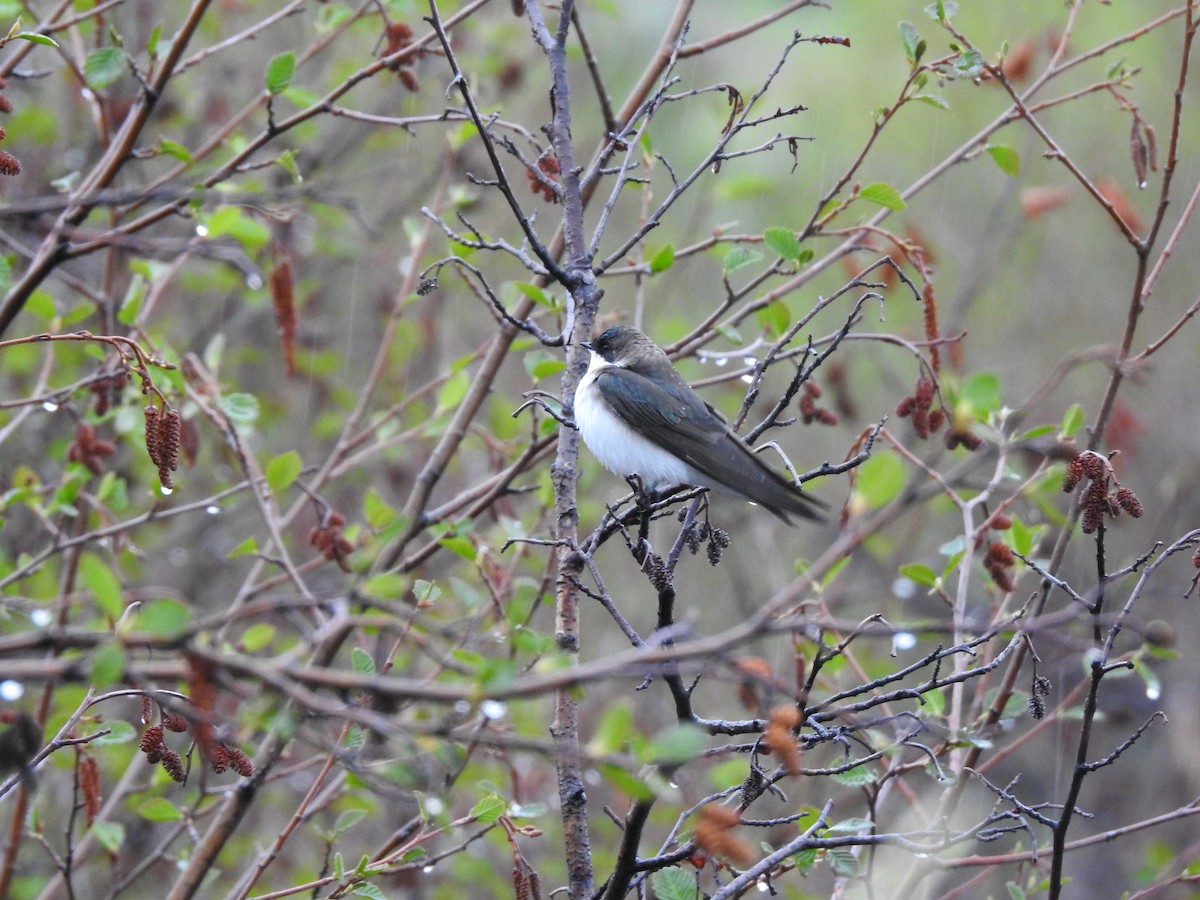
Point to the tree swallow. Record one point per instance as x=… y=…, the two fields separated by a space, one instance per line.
x=639 y=417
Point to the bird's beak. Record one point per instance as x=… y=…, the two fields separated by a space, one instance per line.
x=586 y=345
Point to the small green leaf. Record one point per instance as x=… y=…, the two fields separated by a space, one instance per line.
x=177 y=150
x=849 y=826
x=489 y=809
x=376 y=511
x=111 y=835
x=246 y=548
x=108 y=663
x=739 y=257
x=453 y=391
x=783 y=242
x=942 y=10
x=118 y=733
x=361 y=662
x=132 y=302
x=1072 y=420
x=534 y=293
x=613 y=730
x=98 y=577
x=1006 y=158
x=347 y=819
x=366 y=889
x=932 y=100
x=233 y=221
x=34 y=38
x=774 y=317
x=883 y=194
x=881 y=479
x=673 y=884
x=257 y=637
x=385 y=586
x=982 y=391
x=919 y=573
x=842 y=862
x=283 y=470
x=241 y=408
x=856 y=777
x=165 y=617
x=663 y=259
x=914 y=44
x=280 y=70
x=159 y=809
x=675 y=744
x=104 y=66
x=287 y=161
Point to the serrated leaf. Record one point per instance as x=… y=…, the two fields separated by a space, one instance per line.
x=856 y=777
x=919 y=573
x=361 y=662
x=489 y=809
x=240 y=408
x=159 y=809
x=366 y=889
x=842 y=862
x=1006 y=157
x=663 y=259
x=280 y=69
x=942 y=10
x=376 y=511
x=914 y=44
x=783 y=242
x=883 y=194
x=104 y=66
x=283 y=470
x=739 y=257
x=850 y=826
x=673 y=884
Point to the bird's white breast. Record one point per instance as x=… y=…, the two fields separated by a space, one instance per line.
x=619 y=448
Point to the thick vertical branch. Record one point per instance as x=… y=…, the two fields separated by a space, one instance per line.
x=565 y=472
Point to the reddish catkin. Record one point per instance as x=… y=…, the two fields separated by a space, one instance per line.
x=715 y=835
x=173 y=721
x=89 y=786
x=153 y=448
x=9 y=164
x=932 y=334
x=779 y=737
x=284 y=302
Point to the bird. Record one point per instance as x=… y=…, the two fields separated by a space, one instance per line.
x=640 y=418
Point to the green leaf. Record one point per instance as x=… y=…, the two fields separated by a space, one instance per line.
x=739 y=257
x=426 y=592
x=914 y=44
x=932 y=100
x=108 y=662
x=385 y=586
x=1072 y=420
x=233 y=221
x=280 y=70
x=850 y=826
x=613 y=730
x=132 y=302
x=283 y=470
x=919 y=573
x=347 y=819
x=856 y=777
x=842 y=862
x=774 y=317
x=34 y=38
x=674 y=744
x=673 y=884
x=159 y=809
x=534 y=293
x=1015 y=891
x=982 y=392
x=783 y=242
x=257 y=637
x=104 y=66
x=881 y=479
x=246 y=548
x=883 y=194
x=942 y=10
x=453 y=391
x=287 y=161
x=118 y=733
x=240 y=408
x=376 y=511
x=361 y=662
x=98 y=577
x=111 y=835
x=366 y=889
x=489 y=809
x=663 y=259
x=1006 y=158
x=164 y=617
x=177 y=150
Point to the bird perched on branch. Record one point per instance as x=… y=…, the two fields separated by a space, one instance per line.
x=640 y=418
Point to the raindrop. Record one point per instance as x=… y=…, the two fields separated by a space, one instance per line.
x=462 y=707
x=212 y=509
x=254 y=281
x=50 y=406
x=11 y=690
x=166 y=491
x=492 y=709
x=41 y=617
x=904 y=640
x=202 y=231
x=721 y=361
x=1153 y=692
x=904 y=588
